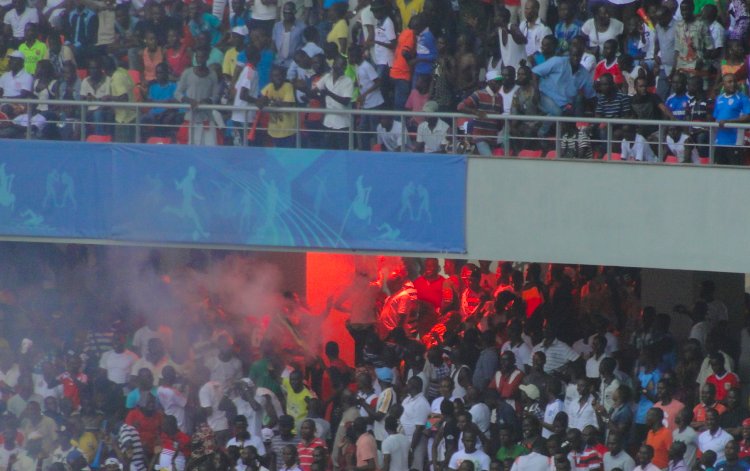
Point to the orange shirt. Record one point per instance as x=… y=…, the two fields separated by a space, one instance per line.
x=401 y=70
x=699 y=411
x=660 y=440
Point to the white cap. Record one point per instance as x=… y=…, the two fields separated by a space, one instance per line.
x=18 y=55
x=492 y=75
x=241 y=30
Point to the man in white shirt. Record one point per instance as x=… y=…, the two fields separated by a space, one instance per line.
x=16 y=82
x=384 y=42
x=16 y=20
x=225 y=367
x=209 y=397
x=413 y=420
x=533 y=28
x=390 y=134
x=243 y=438
x=395 y=447
x=714 y=438
x=337 y=89
x=119 y=361
x=432 y=133
x=152 y=329
x=534 y=461
x=616 y=457
x=635 y=147
x=557 y=352
x=645 y=455
x=171 y=399
x=470 y=453
x=246 y=92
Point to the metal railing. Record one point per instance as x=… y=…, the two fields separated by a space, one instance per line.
x=517 y=134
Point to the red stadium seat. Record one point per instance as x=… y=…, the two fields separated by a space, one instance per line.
x=615 y=156
x=671 y=159
x=704 y=160
x=498 y=152
x=98 y=138
x=551 y=154
x=531 y=154
x=83 y=73
x=159 y=140
x=377 y=148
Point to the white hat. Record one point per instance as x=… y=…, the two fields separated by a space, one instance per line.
x=266 y=434
x=531 y=390
x=241 y=30
x=492 y=75
x=112 y=462
x=18 y=55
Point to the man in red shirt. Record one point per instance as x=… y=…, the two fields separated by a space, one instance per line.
x=508 y=379
x=722 y=379
x=307 y=444
x=147 y=421
x=429 y=285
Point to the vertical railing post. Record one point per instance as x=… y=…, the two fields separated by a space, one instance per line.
x=403 y=133
x=351 y=132
x=28 y=122
x=454 y=134
x=190 y=125
x=712 y=145
x=244 y=130
x=298 y=134
x=660 y=145
x=609 y=141
x=558 y=134
x=506 y=137
x=137 y=123
x=84 y=108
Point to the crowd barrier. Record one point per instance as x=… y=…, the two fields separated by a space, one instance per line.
x=602 y=135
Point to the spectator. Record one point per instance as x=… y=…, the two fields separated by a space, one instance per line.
x=731 y=107
x=32 y=48
x=534 y=29
x=337 y=89
x=282 y=126
x=198 y=85
x=82 y=29
x=482 y=103
x=432 y=133
x=16 y=82
x=287 y=35
x=16 y=19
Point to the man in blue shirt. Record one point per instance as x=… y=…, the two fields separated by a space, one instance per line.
x=556 y=84
x=424 y=62
x=679 y=100
x=731 y=107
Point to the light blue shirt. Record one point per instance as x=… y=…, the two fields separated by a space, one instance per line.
x=556 y=80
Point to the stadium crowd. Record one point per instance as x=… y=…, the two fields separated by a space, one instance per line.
x=632 y=59
x=473 y=371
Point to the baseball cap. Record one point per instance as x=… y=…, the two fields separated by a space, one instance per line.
x=430 y=107
x=112 y=462
x=492 y=75
x=241 y=30
x=384 y=374
x=530 y=390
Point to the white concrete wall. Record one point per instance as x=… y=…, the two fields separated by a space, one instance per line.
x=656 y=216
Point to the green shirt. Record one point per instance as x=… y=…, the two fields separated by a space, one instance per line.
x=33 y=54
x=511 y=453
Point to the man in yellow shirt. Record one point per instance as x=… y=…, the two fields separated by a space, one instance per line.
x=408 y=9
x=121 y=89
x=33 y=49
x=297 y=396
x=282 y=127
x=229 y=67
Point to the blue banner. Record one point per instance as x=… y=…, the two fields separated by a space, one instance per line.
x=233 y=196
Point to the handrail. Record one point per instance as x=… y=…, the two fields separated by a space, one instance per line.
x=361 y=112
x=507 y=142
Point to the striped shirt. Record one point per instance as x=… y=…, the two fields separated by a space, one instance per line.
x=617 y=106
x=489 y=102
x=277 y=446
x=305 y=452
x=129 y=438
